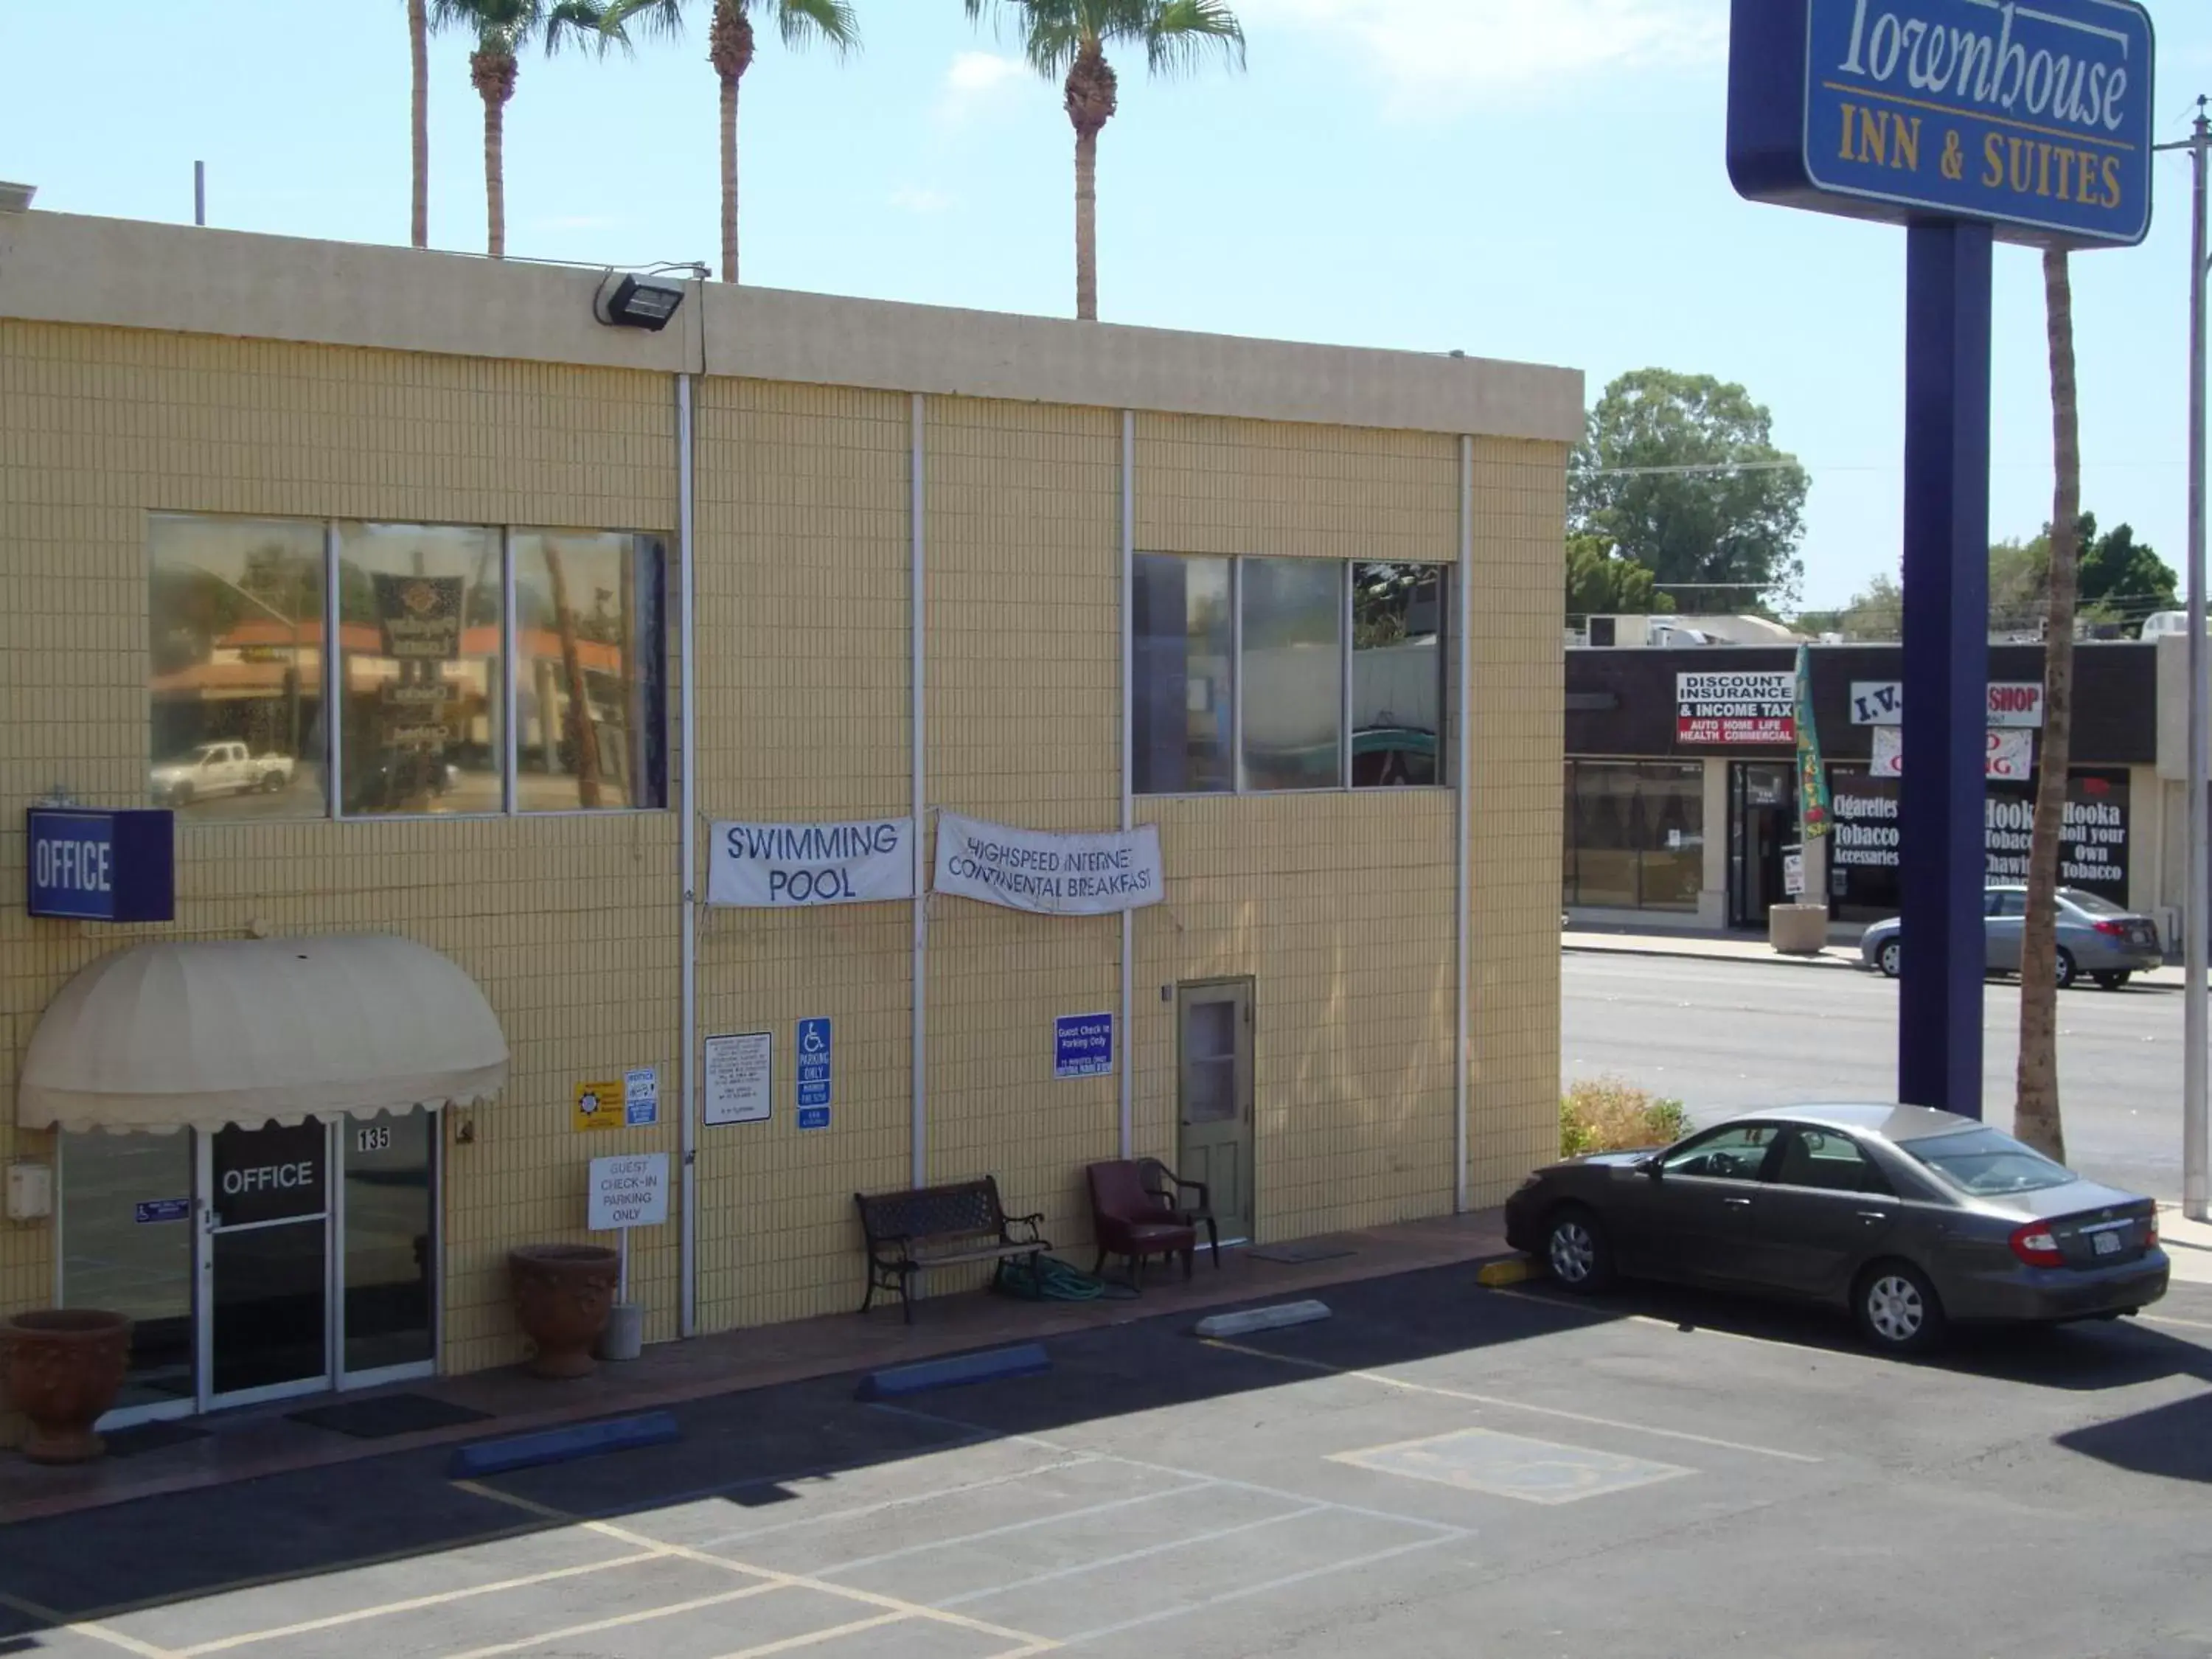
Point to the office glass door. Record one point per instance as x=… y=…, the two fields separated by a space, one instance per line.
x=265 y=1305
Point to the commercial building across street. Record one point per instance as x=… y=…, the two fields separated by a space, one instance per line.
x=1681 y=778
x=817 y=747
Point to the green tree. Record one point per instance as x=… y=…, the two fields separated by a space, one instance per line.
x=1600 y=583
x=730 y=44
x=2122 y=581
x=503 y=28
x=1876 y=614
x=1680 y=474
x=1066 y=41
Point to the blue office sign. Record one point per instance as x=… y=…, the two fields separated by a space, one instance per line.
x=2036 y=119
x=91 y=865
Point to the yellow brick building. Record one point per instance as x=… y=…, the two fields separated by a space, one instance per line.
x=1057 y=576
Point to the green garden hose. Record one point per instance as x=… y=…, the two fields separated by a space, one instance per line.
x=1047 y=1278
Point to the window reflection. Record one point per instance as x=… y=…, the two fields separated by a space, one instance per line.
x=236 y=676
x=1397 y=675
x=420 y=638
x=1181 y=708
x=1291 y=676
x=587 y=671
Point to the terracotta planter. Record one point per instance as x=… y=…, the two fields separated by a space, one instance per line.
x=64 y=1368
x=563 y=1294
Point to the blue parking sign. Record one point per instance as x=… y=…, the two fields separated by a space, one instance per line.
x=814 y=1061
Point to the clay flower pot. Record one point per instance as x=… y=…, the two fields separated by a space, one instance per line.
x=64 y=1367
x=563 y=1294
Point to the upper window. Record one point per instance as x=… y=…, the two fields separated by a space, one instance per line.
x=478 y=670
x=1831 y=1162
x=1264 y=675
x=1735 y=1152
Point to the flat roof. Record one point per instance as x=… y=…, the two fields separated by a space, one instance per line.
x=122 y=273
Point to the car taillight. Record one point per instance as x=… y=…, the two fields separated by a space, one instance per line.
x=2150 y=1232
x=2035 y=1246
x=2113 y=929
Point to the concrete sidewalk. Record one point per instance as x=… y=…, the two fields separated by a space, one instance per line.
x=2188 y=1245
x=1745 y=947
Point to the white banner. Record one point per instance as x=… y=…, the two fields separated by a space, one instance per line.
x=794 y=866
x=1050 y=875
x=2008 y=754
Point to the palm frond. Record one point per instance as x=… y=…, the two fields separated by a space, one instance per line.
x=653 y=19
x=799 y=21
x=1181 y=34
x=580 y=20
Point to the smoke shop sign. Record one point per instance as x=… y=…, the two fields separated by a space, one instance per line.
x=2035 y=118
x=2016 y=704
x=1736 y=708
x=2093 y=851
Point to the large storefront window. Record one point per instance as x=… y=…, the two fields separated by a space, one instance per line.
x=1636 y=834
x=1183 y=695
x=235 y=638
x=447 y=635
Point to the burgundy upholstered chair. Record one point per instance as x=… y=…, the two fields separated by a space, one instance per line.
x=1129 y=1221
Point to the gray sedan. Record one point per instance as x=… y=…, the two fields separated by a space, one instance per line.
x=1910 y=1219
x=2096 y=938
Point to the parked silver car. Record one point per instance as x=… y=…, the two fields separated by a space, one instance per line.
x=2096 y=937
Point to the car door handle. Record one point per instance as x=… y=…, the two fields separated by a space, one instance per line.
x=1874 y=1215
x=1737 y=1203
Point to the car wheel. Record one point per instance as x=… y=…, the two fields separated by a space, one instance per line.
x=1576 y=1253
x=271 y=782
x=2115 y=981
x=2065 y=974
x=1890 y=959
x=181 y=795
x=1898 y=1310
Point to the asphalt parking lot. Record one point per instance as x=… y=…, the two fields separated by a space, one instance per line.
x=1440 y=1469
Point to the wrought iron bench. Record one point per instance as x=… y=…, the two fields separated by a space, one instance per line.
x=947 y=1226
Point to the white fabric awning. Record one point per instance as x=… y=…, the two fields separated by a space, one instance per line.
x=166 y=1037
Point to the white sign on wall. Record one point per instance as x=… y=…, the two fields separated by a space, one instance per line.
x=630 y=1191
x=737 y=1077
x=794 y=867
x=1083 y=875
x=2013 y=704
x=2008 y=754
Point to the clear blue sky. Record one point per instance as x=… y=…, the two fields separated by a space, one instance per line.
x=1528 y=178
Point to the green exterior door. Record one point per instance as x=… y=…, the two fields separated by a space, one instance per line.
x=1214 y=1094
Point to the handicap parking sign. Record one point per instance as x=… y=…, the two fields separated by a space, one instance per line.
x=814 y=1061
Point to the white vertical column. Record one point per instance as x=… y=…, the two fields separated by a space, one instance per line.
x=1463 y=883
x=687 y=635
x=1129 y=1056
x=918 y=721
x=510 y=644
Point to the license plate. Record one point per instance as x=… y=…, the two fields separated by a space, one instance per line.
x=2107 y=1244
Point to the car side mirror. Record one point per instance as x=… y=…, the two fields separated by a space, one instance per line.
x=1648 y=1166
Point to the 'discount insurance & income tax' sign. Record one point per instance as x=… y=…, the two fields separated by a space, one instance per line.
x=2036 y=118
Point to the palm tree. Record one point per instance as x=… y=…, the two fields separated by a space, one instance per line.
x=2035 y=1111
x=730 y=50
x=1069 y=39
x=503 y=28
x=418 y=42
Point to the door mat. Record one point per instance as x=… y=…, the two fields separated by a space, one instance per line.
x=1312 y=1249
x=150 y=1437
x=389 y=1414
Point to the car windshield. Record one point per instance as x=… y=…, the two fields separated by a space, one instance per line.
x=1984 y=1164
x=2090 y=903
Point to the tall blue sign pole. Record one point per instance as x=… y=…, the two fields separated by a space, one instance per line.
x=1967 y=122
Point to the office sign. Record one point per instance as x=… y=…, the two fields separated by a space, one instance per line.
x=739 y=1075
x=91 y=865
x=628 y=1191
x=1729 y=708
x=1048 y=874
x=815 y=1040
x=794 y=867
x=271 y=1174
x=2012 y=703
x=2008 y=755
x=2035 y=118
x=1083 y=1045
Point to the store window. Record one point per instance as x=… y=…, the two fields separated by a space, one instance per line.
x=235 y=676
x=1397 y=675
x=1292 y=672
x=447 y=635
x=1636 y=834
x=1183 y=735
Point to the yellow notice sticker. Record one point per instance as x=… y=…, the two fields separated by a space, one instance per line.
x=600 y=1105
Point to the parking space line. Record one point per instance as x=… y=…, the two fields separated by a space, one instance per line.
x=2168 y=1319
x=619 y=1621
x=415 y=1604
x=1351 y=1565
x=859 y=1562
x=858 y=1510
x=98 y=1633
x=1104 y=1562
x=1400 y=1383
x=772 y=1575
x=831 y=1635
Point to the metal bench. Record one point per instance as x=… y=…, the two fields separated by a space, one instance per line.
x=947 y=1226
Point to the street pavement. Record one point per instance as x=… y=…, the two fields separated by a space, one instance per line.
x=1439 y=1470
x=1726 y=1037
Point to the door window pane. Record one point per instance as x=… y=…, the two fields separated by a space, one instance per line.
x=588 y=686
x=235 y=667
x=1829 y=1162
x=1209 y=1051
x=1291 y=677
x=126 y=1244
x=420 y=633
x=1397 y=675
x=388 y=1250
x=1730 y=1154
x=1180 y=709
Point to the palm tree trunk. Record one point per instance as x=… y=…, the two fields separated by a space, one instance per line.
x=492 y=71
x=729 y=177
x=2036 y=1112
x=418 y=42
x=1086 y=227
